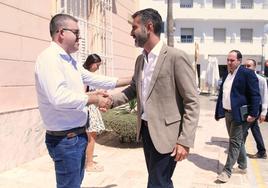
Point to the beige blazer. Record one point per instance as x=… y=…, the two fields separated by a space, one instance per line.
x=172 y=104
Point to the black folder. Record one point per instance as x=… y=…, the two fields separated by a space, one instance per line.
x=244 y=112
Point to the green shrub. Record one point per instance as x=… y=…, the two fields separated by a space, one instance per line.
x=122 y=122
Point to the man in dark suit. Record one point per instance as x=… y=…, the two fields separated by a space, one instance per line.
x=168 y=103
x=239 y=87
x=255 y=129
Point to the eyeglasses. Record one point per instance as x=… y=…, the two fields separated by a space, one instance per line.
x=230 y=60
x=76 y=32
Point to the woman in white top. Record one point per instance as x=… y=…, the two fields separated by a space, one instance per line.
x=96 y=124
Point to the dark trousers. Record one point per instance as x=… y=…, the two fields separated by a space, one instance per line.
x=236 y=150
x=160 y=166
x=256 y=132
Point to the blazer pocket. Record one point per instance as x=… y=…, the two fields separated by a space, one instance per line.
x=172 y=119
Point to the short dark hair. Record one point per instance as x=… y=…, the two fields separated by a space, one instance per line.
x=152 y=15
x=91 y=59
x=58 y=21
x=238 y=54
x=253 y=60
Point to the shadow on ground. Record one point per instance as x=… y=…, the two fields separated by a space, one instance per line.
x=111 y=139
x=205 y=163
x=219 y=141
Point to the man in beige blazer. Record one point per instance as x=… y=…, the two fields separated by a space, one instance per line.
x=168 y=105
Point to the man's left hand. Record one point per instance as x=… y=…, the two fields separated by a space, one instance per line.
x=180 y=152
x=261 y=118
x=250 y=119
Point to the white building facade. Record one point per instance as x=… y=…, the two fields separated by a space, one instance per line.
x=217 y=26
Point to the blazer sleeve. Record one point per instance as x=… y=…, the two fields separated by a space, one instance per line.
x=219 y=111
x=131 y=91
x=253 y=91
x=187 y=89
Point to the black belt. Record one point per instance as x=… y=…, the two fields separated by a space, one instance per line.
x=229 y=111
x=144 y=123
x=68 y=133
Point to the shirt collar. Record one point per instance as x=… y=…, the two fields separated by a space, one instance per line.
x=63 y=55
x=57 y=48
x=234 y=73
x=155 y=51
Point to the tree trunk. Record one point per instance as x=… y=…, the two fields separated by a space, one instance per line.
x=170 y=23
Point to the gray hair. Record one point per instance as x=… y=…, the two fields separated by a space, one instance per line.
x=152 y=15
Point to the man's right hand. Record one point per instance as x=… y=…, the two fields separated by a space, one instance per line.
x=100 y=99
x=104 y=103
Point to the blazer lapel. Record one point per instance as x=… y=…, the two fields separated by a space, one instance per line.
x=237 y=75
x=157 y=68
x=139 y=80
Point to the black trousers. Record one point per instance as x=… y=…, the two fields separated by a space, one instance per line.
x=256 y=132
x=160 y=166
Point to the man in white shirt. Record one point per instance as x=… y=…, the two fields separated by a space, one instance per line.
x=63 y=102
x=255 y=129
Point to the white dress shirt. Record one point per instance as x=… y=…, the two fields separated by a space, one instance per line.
x=227 y=87
x=263 y=93
x=148 y=69
x=60 y=89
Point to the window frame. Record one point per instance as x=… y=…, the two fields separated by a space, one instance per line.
x=218 y=40
x=187 y=38
x=186 y=4
x=244 y=40
x=216 y=6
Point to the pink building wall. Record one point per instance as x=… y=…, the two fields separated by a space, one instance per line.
x=24 y=34
x=124 y=51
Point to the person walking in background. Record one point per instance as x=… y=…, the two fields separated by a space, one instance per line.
x=255 y=129
x=96 y=124
x=62 y=100
x=239 y=88
x=167 y=99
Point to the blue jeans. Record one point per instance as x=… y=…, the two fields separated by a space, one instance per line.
x=68 y=155
x=236 y=151
x=256 y=132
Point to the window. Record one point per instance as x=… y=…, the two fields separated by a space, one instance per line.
x=187 y=35
x=246 y=35
x=246 y=4
x=75 y=8
x=78 y=9
x=219 y=35
x=218 y=3
x=186 y=4
x=95 y=23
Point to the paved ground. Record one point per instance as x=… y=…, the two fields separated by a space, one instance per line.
x=125 y=166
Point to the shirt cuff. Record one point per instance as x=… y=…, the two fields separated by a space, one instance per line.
x=114 y=82
x=86 y=100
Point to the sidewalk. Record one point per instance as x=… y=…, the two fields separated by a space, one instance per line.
x=124 y=165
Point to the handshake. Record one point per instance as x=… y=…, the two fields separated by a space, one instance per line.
x=101 y=99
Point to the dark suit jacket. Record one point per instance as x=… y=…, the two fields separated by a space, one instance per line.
x=244 y=91
x=172 y=102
